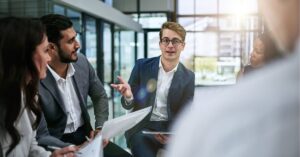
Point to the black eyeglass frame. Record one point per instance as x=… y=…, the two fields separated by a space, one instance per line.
x=175 y=42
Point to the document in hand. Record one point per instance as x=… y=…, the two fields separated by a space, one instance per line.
x=110 y=129
x=121 y=124
x=93 y=148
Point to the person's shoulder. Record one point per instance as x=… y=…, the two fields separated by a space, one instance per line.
x=81 y=61
x=147 y=61
x=185 y=70
x=248 y=69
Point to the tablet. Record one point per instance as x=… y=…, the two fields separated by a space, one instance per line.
x=157 y=132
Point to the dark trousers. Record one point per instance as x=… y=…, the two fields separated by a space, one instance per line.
x=77 y=137
x=111 y=150
x=145 y=145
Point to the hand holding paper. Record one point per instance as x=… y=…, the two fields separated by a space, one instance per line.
x=93 y=148
x=110 y=129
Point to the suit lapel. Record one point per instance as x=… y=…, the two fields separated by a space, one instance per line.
x=154 y=69
x=77 y=85
x=175 y=86
x=50 y=84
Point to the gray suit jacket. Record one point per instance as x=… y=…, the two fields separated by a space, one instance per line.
x=86 y=84
x=181 y=90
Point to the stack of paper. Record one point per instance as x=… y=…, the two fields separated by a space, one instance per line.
x=110 y=129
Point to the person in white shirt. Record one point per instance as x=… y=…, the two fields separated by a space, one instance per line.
x=161 y=82
x=64 y=92
x=259 y=116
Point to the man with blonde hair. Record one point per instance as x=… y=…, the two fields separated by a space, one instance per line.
x=161 y=82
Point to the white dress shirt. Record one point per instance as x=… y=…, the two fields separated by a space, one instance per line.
x=70 y=99
x=164 y=81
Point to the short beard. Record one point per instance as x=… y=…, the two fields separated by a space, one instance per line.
x=65 y=58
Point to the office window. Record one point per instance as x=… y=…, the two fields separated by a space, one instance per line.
x=57 y=9
x=75 y=17
x=140 y=45
x=127 y=53
x=206 y=44
x=153 y=44
x=216 y=70
x=107 y=45
x=108 y=2
x=150 y=20
x=124 y=62
x=238 y=23
x=238 y=7
x=91 y=41
x=192 y=7
x=220 y=35
x=206 y=23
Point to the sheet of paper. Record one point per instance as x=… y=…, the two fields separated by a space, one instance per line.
x=110 y=129
x=121 y=124
x=93 y=148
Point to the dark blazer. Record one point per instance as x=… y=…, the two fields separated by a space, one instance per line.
x=86 y=83
x=145 y=73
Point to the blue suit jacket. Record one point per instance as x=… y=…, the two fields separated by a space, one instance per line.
x=145 y=73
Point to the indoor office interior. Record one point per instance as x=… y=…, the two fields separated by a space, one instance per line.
x=115 y=33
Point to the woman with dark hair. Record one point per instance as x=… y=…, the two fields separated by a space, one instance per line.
x=23 y=62
x=264 y=51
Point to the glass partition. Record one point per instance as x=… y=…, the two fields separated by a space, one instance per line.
x=238 y=7
x=153 y=44
x=140 y=46
x=91 y=41
x=150 y=20
x=107 y=53
x=57 y=9
x=124 y=61
x=192 y=7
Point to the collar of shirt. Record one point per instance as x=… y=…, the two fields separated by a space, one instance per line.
x=173 y=70
x=70 y=72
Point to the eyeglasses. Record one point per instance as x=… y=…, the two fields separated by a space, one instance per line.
x=175 y=42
